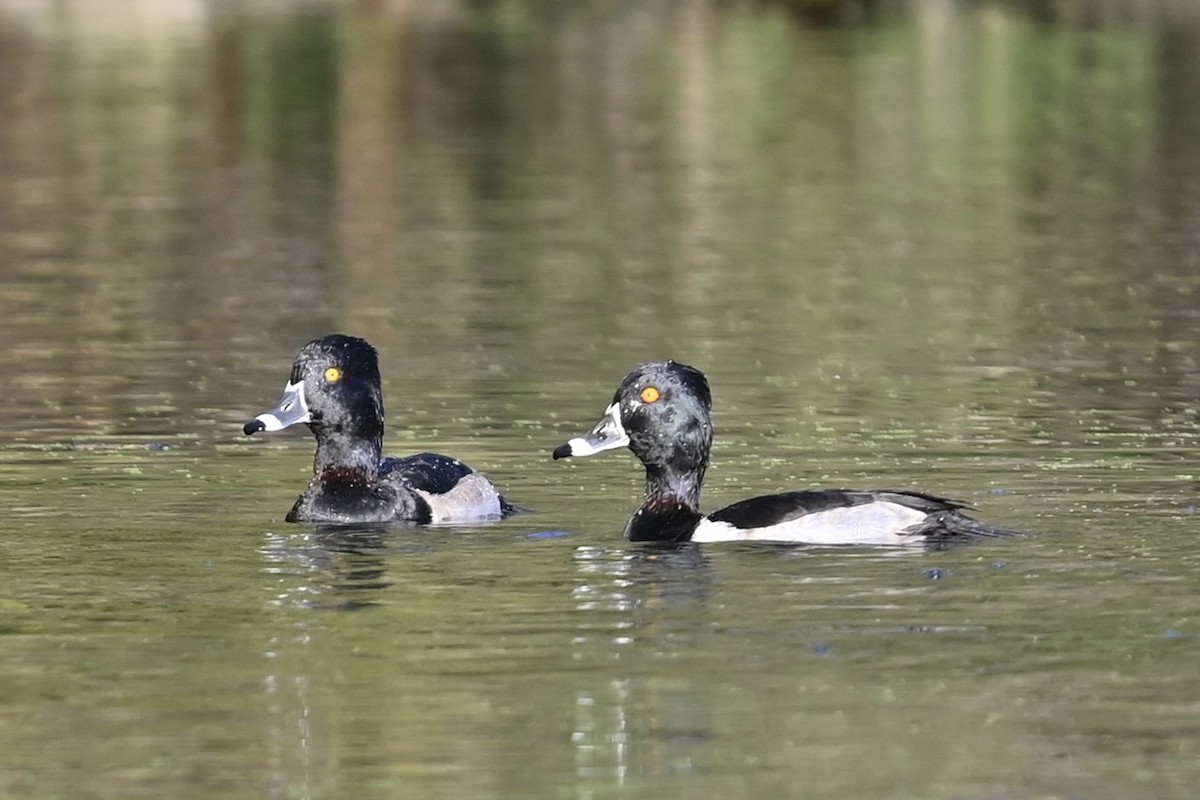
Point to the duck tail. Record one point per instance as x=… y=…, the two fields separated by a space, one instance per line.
x=955 y=523
x=507 y=509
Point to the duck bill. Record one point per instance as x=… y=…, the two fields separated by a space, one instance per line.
x=609 y=434
x=290 y=409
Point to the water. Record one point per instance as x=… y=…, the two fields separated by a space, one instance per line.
x=948 y=247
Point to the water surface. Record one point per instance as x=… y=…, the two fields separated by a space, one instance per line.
x=946 y=247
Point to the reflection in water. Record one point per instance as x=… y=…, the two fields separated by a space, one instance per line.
x=649 y=600
x=312 y=570
x=290 y=736
x=631 y=580
x=338 y=568
x=883 y=194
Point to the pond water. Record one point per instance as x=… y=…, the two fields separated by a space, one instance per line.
x=952 y=247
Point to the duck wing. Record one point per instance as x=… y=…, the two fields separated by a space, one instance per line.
x=430 y=472
x=926 y=515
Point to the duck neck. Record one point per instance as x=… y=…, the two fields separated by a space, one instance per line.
x=669 y=487
x=342 y=451
x=671 y=510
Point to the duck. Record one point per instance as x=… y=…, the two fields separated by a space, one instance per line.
x=335 y=389
x=662 y=412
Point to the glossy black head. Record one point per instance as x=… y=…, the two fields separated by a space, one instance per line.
x=665 y=410
x=335 y=388
x=661 y=411
x=342 y=384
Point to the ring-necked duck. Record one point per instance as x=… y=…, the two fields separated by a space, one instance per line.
x=661 y=412
x=335 y=388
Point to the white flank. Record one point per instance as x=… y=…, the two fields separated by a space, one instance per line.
x=878 y=523
x=473 y=497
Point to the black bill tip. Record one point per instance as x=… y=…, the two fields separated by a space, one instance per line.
x=562 y=451
x=254 y=426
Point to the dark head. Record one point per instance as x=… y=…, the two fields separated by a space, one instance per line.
x=335 y=388
x=661 y=411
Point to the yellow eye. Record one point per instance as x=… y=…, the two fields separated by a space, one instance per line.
x=333 y=374
x=650 y=394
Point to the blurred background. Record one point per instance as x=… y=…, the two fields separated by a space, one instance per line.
x=827 y=186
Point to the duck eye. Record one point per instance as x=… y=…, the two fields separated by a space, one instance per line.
x=333 y=374
x=650 y=394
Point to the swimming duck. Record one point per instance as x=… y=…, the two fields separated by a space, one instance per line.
x=661 y=411
x=335 y=388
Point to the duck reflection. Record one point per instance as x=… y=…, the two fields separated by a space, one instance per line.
x=651 y=577
x=340 y=568
x=327 y=568
x=641 y=607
